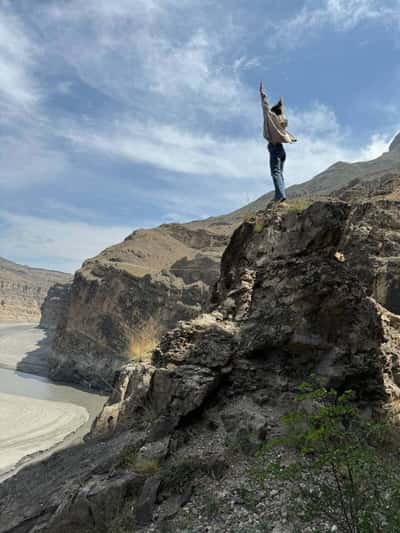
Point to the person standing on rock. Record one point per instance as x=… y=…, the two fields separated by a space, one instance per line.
x=275 y=124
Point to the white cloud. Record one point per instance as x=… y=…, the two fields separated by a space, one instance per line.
x=53 y=242
x=17 y=60
x=343 y=15
x=27 y=160
x=170 y=148
x=322 y=142
x=152 y=60
x=378 y=144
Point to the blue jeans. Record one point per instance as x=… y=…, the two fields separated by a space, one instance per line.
x=277 y=156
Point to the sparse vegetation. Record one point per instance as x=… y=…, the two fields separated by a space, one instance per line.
x=239 y=443
x=299 y=204
x=124 y=522
x=345 y=471
x=248 y=497
x=145 y=340
x=177 y=475
x=248 y=216
x=213 y=505
x=131 y=460
x=146 y=466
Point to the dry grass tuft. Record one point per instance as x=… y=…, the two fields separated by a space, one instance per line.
x=248 y=216
x=299 y=204
x=145 y=340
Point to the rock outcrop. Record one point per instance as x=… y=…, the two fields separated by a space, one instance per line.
x=141 y=287
x=315 y=292
x=23 y=290
x=55 y=305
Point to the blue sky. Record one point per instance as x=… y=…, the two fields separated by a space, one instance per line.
x=118 y=114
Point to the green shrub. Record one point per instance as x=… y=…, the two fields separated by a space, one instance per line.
x=343 y=474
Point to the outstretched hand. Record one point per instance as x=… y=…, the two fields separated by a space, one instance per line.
x=262 y=89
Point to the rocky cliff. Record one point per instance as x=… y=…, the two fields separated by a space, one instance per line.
x=143 y=286
x=124 y=299
x=315 y=292
x=55 y=306
x=24 y=289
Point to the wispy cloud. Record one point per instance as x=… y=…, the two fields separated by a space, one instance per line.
x=171 y=148
x=152 y=60
x=342 y=15
x=322 y=141
x=18 y=55
x=27 y=160
x=52 y=242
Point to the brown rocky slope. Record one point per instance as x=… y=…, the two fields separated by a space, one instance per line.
x=23 y=290
x=315 y=292
x=159 y=276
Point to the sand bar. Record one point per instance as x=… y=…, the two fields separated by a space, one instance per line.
x=29 y=426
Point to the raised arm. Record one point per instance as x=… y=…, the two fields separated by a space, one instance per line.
x=264 y=100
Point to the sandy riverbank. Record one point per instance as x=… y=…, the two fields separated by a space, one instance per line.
x=36 y=415
x=29 y=426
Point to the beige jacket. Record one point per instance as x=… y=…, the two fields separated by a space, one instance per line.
x=275 y=125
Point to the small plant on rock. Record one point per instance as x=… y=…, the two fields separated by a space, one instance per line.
x=344 y=474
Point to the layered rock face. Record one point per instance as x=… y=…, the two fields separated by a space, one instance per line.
x=117 y=297
x=24 y=289
x=55 y=305
x=314 y=292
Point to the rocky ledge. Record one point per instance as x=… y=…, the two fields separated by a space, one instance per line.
x=315 y=292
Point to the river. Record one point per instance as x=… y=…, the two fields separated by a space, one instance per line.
x=37 y=416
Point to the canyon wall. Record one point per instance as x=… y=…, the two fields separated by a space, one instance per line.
x=23 y=290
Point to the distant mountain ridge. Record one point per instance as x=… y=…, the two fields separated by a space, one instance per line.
x=335 y=177
x=23 y=290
